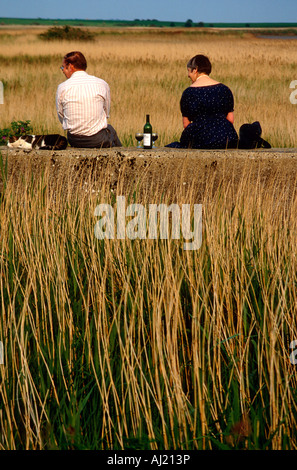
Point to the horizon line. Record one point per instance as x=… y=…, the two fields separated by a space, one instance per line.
x=147 y=19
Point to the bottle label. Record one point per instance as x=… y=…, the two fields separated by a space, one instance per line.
x=147 y=140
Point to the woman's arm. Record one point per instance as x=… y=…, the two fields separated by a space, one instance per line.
x=186 y=121
x=230 y=117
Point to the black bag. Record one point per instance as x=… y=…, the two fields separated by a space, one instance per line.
x=250 y=137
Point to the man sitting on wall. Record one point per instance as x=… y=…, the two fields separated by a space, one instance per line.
x=83 y=105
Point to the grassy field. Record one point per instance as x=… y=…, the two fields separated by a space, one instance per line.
x=138 y=344
x=146 y=71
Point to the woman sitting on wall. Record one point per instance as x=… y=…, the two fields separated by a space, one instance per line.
x=207 y=108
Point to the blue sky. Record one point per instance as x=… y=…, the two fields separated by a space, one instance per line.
x=171 y=10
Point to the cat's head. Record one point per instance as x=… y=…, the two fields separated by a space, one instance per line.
x=25 y=141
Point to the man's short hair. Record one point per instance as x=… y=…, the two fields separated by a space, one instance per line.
x=77 y=59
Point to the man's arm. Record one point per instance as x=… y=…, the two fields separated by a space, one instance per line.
x=107 y=101
x=59 y=106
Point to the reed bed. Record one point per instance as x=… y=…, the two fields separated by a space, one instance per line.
x=147 y=74
x=138 y=344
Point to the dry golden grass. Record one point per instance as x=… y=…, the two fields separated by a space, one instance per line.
x=140 y=344
x=147 y=74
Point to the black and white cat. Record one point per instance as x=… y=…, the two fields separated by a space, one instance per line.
x=42 y=142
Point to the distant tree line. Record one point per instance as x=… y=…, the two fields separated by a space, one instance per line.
x=188 y=24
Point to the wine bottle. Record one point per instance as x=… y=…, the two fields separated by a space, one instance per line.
x=147 y=134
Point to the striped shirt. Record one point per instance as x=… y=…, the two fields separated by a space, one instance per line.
x=83 y=103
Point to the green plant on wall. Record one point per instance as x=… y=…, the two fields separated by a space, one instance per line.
x=16 y=128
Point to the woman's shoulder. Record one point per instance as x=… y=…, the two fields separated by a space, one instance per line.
x=214 y=86
x=216 y=89
x=225 y=87
x=201 y=90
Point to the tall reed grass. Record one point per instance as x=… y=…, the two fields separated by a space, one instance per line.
x=138 y=344
x=147 y=75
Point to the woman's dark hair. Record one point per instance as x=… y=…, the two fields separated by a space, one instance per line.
x=77 y=59
x=201 y=63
